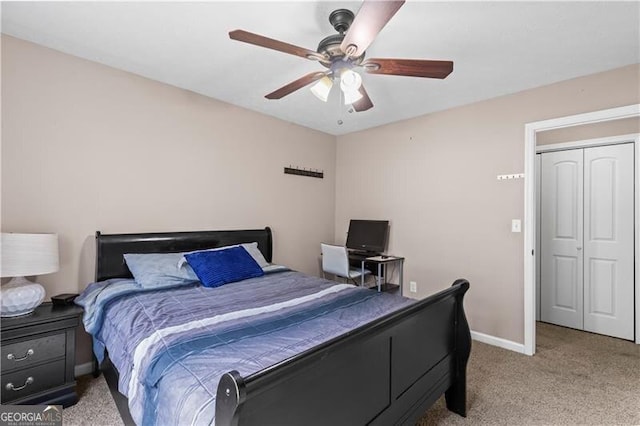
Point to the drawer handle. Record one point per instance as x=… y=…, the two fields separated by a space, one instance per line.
x=26 y=383
x=13 y=357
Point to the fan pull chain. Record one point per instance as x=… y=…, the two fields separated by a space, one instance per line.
x=340 y=101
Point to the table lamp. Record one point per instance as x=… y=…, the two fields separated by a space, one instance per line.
x=24 y=255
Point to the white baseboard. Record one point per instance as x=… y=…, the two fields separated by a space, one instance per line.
x=83 y=369
x=497 y=341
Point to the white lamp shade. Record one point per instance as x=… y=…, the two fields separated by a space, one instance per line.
x=322 y=88
x=350 y=81
x=352 y=96
x=28 y=254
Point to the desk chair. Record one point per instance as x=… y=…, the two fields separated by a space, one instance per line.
x=335 y=260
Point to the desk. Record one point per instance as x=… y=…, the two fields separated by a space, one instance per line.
x=381 y=263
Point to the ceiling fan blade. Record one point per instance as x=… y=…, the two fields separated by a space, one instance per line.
x=296 y=84
x=371 y=18
x=270 y=43
x=408 y=67
x=363 y=103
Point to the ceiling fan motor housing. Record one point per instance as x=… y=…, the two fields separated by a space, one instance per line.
x=341 y=20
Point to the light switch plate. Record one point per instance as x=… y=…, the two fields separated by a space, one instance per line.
x=516 y=225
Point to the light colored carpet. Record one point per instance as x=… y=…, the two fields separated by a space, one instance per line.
x=95 y=405
x=574 y=378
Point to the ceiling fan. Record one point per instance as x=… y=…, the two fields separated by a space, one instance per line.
x=343 y=52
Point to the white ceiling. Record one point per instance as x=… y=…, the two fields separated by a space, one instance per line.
x=497 y=48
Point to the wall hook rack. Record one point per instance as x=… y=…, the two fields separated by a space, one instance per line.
x=304 y=172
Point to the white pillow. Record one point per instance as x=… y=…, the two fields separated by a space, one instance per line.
x=251 y=248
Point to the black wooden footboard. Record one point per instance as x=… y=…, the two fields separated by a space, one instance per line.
x=387 y=372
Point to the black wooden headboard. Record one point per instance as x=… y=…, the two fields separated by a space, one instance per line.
x=111 y=247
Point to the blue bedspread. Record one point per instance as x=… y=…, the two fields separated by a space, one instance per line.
x=171 y=346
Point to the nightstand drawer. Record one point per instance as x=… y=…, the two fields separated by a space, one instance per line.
x=32 y=380
x=28 y=352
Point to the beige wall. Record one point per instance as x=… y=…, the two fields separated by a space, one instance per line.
x=434 y=178
x=625 y=126
x=86 y=147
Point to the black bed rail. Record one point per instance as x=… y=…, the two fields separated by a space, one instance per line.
x=385 y=376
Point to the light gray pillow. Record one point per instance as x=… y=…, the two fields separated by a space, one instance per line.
x=156 y=270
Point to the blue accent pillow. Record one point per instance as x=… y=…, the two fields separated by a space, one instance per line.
x=219 y=267
x=156 y=270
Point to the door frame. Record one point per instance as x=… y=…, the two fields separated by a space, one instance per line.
x=530 y=207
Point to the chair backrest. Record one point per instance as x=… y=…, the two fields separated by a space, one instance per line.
x=335 y=260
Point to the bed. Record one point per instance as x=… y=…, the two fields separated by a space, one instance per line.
x=311 y=352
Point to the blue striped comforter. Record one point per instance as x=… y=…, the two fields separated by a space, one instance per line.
x=171 y=346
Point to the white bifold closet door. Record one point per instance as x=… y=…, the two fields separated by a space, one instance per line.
x=587 y=272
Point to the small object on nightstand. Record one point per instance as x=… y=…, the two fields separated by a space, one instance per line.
x=64 y=299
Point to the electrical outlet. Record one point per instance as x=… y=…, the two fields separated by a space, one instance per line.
x=413 y=286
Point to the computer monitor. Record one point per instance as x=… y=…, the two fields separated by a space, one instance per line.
x=368 y=235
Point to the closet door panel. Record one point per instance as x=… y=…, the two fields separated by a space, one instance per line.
x=561 y=212
x=608 y=237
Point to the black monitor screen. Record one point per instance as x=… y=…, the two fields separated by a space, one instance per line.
x=367 y=235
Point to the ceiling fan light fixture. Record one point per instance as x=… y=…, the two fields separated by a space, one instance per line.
x=322 y=88
x=351 y=96
x=350 y=81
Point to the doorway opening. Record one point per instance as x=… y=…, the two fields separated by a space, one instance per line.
x=585 y=234
x=530 y=248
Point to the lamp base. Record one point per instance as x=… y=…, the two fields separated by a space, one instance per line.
x=20 y=297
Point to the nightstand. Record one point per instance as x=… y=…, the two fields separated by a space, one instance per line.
x=37 y=356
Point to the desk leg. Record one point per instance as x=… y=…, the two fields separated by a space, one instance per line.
x=362 y=274
x=401 y=269
x=379 y=277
